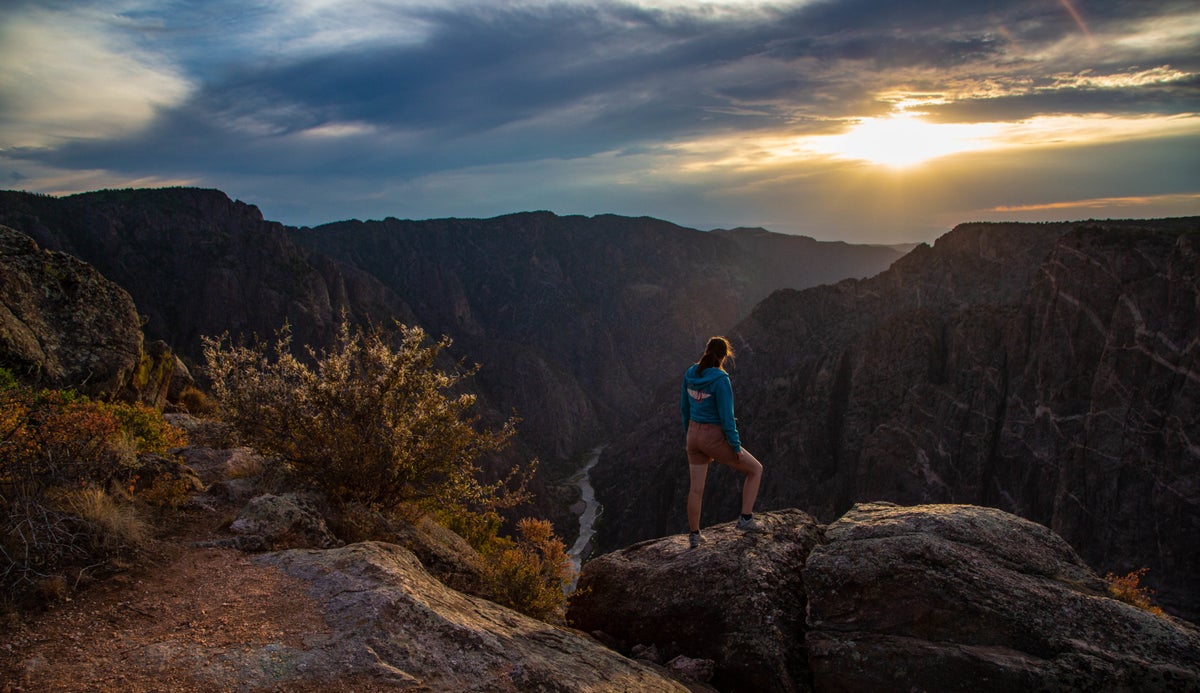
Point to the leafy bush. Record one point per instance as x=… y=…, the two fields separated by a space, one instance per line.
x=530 y=574
x=166 y=491
x=145 y=426
x=67 y=467
x=374 y=421
x=378 y=426
x=1128 y=588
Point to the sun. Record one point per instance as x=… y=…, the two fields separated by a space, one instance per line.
x=903 y=140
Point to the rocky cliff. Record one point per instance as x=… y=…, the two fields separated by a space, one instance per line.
x=574 y=315
x=1048 y=370
x=935 y=597
x=64 y=325
x=570 y=316
x=197 y=263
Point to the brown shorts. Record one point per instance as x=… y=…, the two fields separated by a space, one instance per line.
x=707 y=442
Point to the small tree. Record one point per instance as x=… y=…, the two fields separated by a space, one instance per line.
x=374 y=421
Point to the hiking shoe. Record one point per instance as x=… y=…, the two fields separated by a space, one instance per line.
x=751 y=525
x=695 y=539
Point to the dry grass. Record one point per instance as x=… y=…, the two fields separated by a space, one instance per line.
x=196 y=403
x=119 y=523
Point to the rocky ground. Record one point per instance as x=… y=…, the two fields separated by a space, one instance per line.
x=248 y=591
x=189 y=618
x=887 y=598
x=198 y=613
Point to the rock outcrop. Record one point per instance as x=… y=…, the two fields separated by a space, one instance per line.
x=934 y=597
x=287 y=520
x=197 y=263
x=393 y=624
x=446 y=555
x=737 y=600
x=64 y=325
x=1049 y=370
x=951 y=597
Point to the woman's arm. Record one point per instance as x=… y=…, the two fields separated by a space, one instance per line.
x=684 y=407
x=723 y=391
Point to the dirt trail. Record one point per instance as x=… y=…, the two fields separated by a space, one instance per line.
x=186 y=611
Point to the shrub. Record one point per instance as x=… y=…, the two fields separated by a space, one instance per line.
x=54 y=438
x=167 y=492
x=374 y=420
x=378 y=426
x=195 y=402
x=1128 y=588
x=59 y=455
x=147 y=429
x=532 y=573
x=480 y=529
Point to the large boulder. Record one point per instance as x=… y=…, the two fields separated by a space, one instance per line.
x=931 y=597
x=444 y=553
x=394 y=624
x=737 y=600
x=62 y=324
x=955 y=597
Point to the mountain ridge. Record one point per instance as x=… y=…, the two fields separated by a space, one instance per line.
x=198 y=263
x=504 y=281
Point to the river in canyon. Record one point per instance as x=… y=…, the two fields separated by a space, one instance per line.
x=591 y=509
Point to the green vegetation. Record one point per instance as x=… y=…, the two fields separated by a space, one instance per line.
x=379 y=427
x=530 y=573
x=69 y=496
x=367 y=423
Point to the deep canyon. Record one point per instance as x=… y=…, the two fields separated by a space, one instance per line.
x=1049 y=370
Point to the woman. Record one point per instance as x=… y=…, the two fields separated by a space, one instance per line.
x=706 y=402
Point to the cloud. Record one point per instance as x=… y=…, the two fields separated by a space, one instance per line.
x=710 y=109
x=1104 y=203
x=67 y=78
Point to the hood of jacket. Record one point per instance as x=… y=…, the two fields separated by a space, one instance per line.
x=703 y=382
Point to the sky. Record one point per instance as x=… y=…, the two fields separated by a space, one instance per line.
x=868 y=121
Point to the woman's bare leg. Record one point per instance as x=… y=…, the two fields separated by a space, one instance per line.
x=698 y=472
x=750 y=466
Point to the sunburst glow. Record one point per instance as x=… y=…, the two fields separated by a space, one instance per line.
x=903 y=140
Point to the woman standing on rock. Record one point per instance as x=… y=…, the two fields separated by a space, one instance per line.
x=706 y=402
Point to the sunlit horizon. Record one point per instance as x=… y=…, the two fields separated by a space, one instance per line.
x=902 y=140
x=865 y=121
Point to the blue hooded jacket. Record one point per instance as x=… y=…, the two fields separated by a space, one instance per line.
x=708 y=398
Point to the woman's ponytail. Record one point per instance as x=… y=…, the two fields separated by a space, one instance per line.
x=715 y=353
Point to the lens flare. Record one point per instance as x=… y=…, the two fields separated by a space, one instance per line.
x=1071 y=10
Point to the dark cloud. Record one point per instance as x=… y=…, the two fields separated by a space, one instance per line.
x=494 y=85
